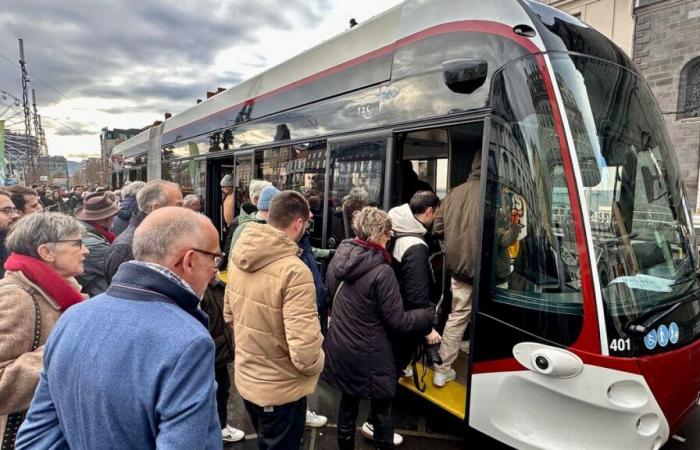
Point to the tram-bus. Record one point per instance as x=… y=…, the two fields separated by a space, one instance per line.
x=587 y=337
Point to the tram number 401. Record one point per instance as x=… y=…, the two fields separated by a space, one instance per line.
x=620 y=345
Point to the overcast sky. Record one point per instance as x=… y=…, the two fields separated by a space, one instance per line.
x=122 y=64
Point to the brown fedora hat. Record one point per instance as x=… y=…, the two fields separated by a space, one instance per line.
x=97 y=206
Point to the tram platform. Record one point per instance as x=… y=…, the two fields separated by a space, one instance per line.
x=423 y=425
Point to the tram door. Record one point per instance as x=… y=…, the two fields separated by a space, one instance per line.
x=438 y=160
x=355 y=179
x=216 y=170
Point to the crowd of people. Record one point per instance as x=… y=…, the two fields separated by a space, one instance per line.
x=116 y=331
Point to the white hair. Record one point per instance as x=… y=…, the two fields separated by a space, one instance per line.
x=256 y=187
x=154 y=195
x=34 y=230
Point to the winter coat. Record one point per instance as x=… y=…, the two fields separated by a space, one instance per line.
x=410 y=256
x=73 y=203
x=366 y=313
x=94 y=279
x=247 y=209
x=307 y=255
x=271 y=303
x=129 y=369
x=213 y=304
x=126 y=209
x=20 y=367
x=120 y=251
x=457 y=219
x=57 y=205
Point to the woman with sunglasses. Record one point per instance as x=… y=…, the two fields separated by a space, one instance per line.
x=46 y=253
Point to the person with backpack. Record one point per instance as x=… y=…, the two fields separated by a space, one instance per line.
x=410 y=255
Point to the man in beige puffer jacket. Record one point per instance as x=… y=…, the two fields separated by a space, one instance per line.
x=271 y=304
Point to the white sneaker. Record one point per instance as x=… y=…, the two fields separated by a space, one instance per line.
x=314 y=420
x=440 y=379
x=464 y=346
x=367 y=431
x=231 y=434
x=407 y=372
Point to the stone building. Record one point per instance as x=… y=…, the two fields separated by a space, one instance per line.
x=667 y=52
x=613 y=18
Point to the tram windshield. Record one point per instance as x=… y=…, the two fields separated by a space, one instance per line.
x=640 y=224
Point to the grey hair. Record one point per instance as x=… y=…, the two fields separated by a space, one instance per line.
x=132 y=188
x=357 y=194
x=153 y=195
x=160 y=244
x=34 y=230
x=189 y=200
x=370 y=223
x=256 y=187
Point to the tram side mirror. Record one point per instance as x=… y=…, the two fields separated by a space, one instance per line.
x=464 y=76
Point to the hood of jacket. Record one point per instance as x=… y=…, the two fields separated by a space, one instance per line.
x=260 y=245
x=403 y=221
x=352 y=260
x=245 y=216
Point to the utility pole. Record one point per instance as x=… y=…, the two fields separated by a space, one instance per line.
x=27 y=113
x=38 y=129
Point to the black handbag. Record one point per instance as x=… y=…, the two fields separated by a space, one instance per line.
x=15 y=420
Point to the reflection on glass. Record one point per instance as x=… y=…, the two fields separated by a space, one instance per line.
x=639 y=217
x=535 y=277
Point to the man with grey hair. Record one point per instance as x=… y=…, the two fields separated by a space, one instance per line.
x=121 y=393
x=155 y=194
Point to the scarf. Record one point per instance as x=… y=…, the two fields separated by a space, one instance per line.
x=375 y=246
x=109 y=235
x=41 y=274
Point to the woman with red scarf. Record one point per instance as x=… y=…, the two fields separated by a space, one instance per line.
x=46 y=254
x=366 y=311
x=97 y=215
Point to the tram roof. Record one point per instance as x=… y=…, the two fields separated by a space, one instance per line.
x=378 y=34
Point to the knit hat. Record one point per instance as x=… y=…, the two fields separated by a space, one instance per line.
x=227 y=181
x=266 y=197
x=97 y=206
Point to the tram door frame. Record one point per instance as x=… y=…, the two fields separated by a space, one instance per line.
x=214 y=197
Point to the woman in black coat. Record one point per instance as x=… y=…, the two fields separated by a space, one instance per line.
x=367 y=311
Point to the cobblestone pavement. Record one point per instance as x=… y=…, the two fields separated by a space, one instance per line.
x=423 y=426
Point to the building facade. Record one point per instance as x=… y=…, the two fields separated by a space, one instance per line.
x=110 y=138
x=53 y=170
x=613 y=18
x=667 y=52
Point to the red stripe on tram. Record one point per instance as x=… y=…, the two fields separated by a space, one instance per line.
x=589 y=339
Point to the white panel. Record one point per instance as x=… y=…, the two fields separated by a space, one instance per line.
x=598 y=409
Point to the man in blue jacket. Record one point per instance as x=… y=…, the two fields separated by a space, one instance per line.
x=133 y=367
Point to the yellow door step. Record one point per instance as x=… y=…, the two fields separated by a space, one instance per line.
x=452 y=397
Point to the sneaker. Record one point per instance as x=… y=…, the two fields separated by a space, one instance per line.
x=230 y=434
x=314 y=420
x=440 y=378
x=367 y=431
x=407 y=372
x=464 y=346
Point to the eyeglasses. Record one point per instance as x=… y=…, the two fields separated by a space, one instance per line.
x=9 y=210
x=218 y=257
x=75 y=242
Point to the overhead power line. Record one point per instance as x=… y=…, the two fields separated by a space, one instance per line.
x=56 y=90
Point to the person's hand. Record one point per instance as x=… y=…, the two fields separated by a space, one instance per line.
x=433 y=338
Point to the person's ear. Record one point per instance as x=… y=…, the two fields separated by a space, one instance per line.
x=45 y=253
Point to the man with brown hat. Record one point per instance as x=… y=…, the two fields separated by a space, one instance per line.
x=97 y=215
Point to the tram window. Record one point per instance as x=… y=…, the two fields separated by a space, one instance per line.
x=271 y=165
x=532 y=264
x=423 y=163
x=185 y=173
x=306 y=170
x=357 y=180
